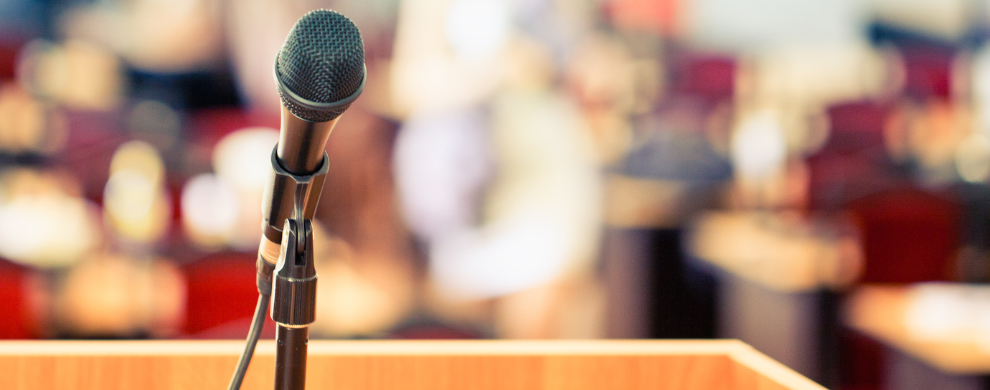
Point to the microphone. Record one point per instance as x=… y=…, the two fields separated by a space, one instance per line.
x=319 y=72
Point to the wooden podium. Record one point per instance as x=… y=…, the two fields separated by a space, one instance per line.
x=407 y=365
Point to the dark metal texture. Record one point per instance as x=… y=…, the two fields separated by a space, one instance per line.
x=294 y=292
x=290 y=358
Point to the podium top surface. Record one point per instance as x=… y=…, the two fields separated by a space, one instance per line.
x=378 y=347
x=434 y=365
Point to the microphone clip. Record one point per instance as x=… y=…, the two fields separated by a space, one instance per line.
x=294 y=293
x=294 y=279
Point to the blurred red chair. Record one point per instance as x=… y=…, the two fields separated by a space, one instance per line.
x=221 y=296
x=909 y=235
x=19 y=320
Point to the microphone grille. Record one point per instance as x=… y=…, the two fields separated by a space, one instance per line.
x=322 y=61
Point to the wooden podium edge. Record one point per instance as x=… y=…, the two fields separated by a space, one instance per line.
x=377 y=347
x=755 y=360
x=751 y=367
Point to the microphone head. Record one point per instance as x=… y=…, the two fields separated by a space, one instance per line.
x=320 y=69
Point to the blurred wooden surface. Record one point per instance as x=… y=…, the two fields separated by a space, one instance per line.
x=879 y=311
x=777 y=251
x=432 y=365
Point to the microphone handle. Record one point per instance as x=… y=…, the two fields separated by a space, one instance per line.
x=301 y=143
x=300 y=151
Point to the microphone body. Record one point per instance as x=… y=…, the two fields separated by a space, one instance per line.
x=299 y=152
x=319 y=72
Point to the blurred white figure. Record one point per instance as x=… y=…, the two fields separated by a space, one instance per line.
x=41 y=223
x=443 y=163
x=494 y=170
x=539 y=214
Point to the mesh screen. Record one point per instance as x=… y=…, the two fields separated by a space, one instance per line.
x=322 y=60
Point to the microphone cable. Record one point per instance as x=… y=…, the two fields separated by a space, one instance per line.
x=257 y=324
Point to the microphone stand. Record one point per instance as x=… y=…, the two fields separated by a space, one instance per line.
x=294 y=282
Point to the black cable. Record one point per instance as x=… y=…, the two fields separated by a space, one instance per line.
x=252 y=340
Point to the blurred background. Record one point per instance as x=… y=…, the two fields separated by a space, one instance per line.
x=809 y=176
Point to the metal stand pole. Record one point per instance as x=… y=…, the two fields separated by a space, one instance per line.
x=290 y=358
x=294 y=282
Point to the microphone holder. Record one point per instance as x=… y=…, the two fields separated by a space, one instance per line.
x=294 y=282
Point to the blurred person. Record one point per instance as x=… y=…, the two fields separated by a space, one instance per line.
x=504 y=193
x=673 y=172
x=676 y=165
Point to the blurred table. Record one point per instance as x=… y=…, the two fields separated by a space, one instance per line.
x=915 y=362
x=773 y=271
